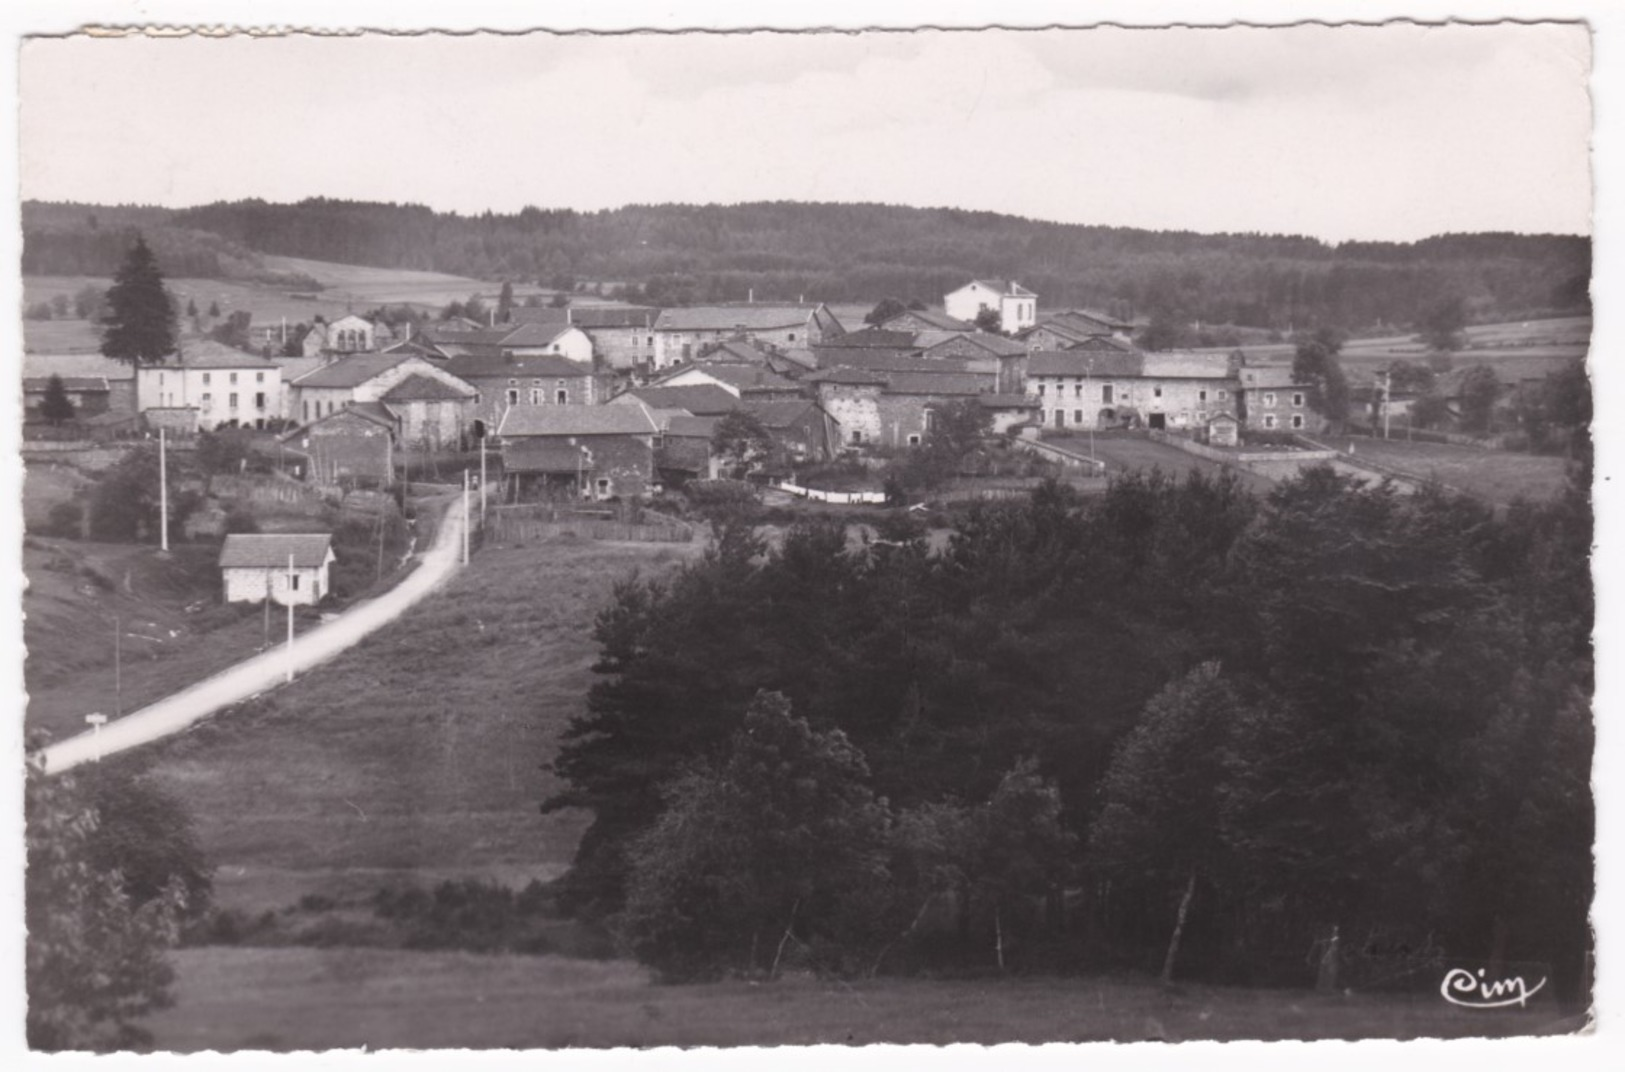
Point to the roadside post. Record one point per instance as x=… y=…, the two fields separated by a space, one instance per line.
x=290 y=616
x=97 y=720
x=465 y=517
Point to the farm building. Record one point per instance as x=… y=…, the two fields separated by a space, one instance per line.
x=356 y=444
x=622 y=335
x=597 y=452
x=750 y=382
x=287 y=569
x=1109 y=388
x=681 y=333
x=928 y=326
x=118 y=375
x=542 y=380
x=87 y=394
x=370 y=377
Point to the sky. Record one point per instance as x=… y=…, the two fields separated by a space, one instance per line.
x=1391 y=132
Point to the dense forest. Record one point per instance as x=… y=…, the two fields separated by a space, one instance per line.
x=671 y=254
x=1178 y=726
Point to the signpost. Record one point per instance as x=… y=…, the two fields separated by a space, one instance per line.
x=97 y=720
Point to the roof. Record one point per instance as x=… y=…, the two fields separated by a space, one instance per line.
x=242 y=551
x=701 y=400
x=208 y=354
x=1084 y=319
x=543 y=456
x=1102 y=344
x=487 y=366
x=82 y=384
x=376 y=412
x=752 y=316
x=65 y=365
x=420 y=388
x=781 y=414
x=848 y=376
x=890 y=361
x=1184 y=364
x=1080 y=363
x=888 y=340
x=931 y=318
x=412 y=346
x=997 y=345
x=742 y=377
x=351 y=371
x=734 y=351
x=1005 y=401
x=627 y=419
x=1268 y=376
x=532 y=334
x=588 y=317
x=937 y=383
x=697 y=427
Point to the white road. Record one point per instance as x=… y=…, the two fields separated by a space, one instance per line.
x=270 y=668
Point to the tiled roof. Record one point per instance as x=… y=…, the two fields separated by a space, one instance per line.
x=1268 y=377
x=532 y=334
x=420 y=388
x=1007 y=401
x=549 y=366
x=375 y=412
x=748 y=317
x=208 y=354
x=695 y=427
x=702 y=400
x=625 y=419
x=867 y=357
x=997 y=345
x=781 y=414
x=1183 y=364
x=848 y=376
x=739 y=376
x=1084 y=319
x=76 y=365
x=893 y=361
x=81 y=384
x=886 y=340
x=1102 y=344
x=734 y=351
x=937 y=383
x=351 y=371
x=1078 y=363
x=931 y=318
x=271 y=551
x=588 y=317
x=543 y=456
x=413 y=346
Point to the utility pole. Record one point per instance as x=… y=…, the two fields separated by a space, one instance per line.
x=1088 y=391
x=482 y=481
x=267 y=640
x=465 y=517
x=163 y=494
x=118 y=668
x=290 y=615
x=1387 y=389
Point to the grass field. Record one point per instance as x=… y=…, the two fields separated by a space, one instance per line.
x=1496 y=476
x=1123 y=452
x=416 y=755
x=280 y=999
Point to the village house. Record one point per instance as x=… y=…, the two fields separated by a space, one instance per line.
x=284 y=568
x=680 y=333
x=521 y=340
x=683 y=452
x=430 y=417
x=349 y=334
x=1274 y=400
x=226 y=387
x=355 y=445
x=1016 y=305
x=597 y=452
x=502 y=383
x=802 y=430
x=622 y=336
x=1087 y=390
x=928 y=326
x=701 y=400
x=1064 y=330
x=978 y=346
x=748 y=382
x=892 y=408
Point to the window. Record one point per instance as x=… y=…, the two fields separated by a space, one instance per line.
x=259 y=399
x=307 y=411
x=1156 y=392
x=603 y=485
x=259 y=377
x=295 y=580
x=205 y=399
x=535 y=396
x=1269 y=420
x=1269 y=398
x=857 y=436
x=231 y=400
x=792 y=336
x=205 y=379
x=1297 y=420
x=1077 y=416
x=535 y=383
x=1201 y=416
x=1077 y=390
x=1297 y=399
x=1223 y=394
x=1106 y=393
x=1060 y=418
x=561 y=397
x=233 y=377
x=1040 y=390
x=513 y=396
x=1201 y=396
x=651 y=340
x=913 y=440
x=513 y=383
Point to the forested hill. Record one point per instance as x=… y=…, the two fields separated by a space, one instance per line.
x=677 y=253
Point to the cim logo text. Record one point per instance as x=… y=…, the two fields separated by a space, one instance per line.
x=1472 y=991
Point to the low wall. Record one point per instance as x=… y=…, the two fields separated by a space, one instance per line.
x=1241 y=457
x=1059 y=454
x=841 y=498
x=524 y=529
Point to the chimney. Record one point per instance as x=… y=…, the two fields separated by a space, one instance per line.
x=569 y=315
x=750 y=296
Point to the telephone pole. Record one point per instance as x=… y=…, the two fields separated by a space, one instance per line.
x=163 y=494
x=290 y=615
x=465 y=517
x=1387 y=389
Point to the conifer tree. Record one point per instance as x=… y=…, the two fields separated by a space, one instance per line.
x=56 y=406
x=140 y=319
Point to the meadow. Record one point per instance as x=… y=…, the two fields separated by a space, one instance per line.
x=1496 y=476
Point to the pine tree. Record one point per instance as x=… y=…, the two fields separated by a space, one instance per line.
x=140 y=320
x=56 y=406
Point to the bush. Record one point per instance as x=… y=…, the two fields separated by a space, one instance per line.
x=66 y=519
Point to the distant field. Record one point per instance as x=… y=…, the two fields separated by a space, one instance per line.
x=418 y=753
x=284 y=999
x=378 y=286
x=1496 y=476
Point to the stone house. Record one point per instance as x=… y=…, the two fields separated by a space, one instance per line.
x=1016 y=305
x=1271 y=399
x=119 y=376
x=369 y=377
x=622 y=335
x=522 y=340
x=430 y=413
x=1063 y=331
x=284 y=568
x=681 y=333
x=502 y=383
x=928 y=326
x=744 y=381
x=892 y=408
x=701 y=400
x=354 y=445
x=803 y=431
x=980 y=345
x=228 y=388
x=1090 y=390
x=596 y=452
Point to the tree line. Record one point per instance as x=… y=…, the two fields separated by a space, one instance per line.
x=677 y=254
x=1174 y=727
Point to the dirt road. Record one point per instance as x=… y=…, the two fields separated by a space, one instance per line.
x=270 y=668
